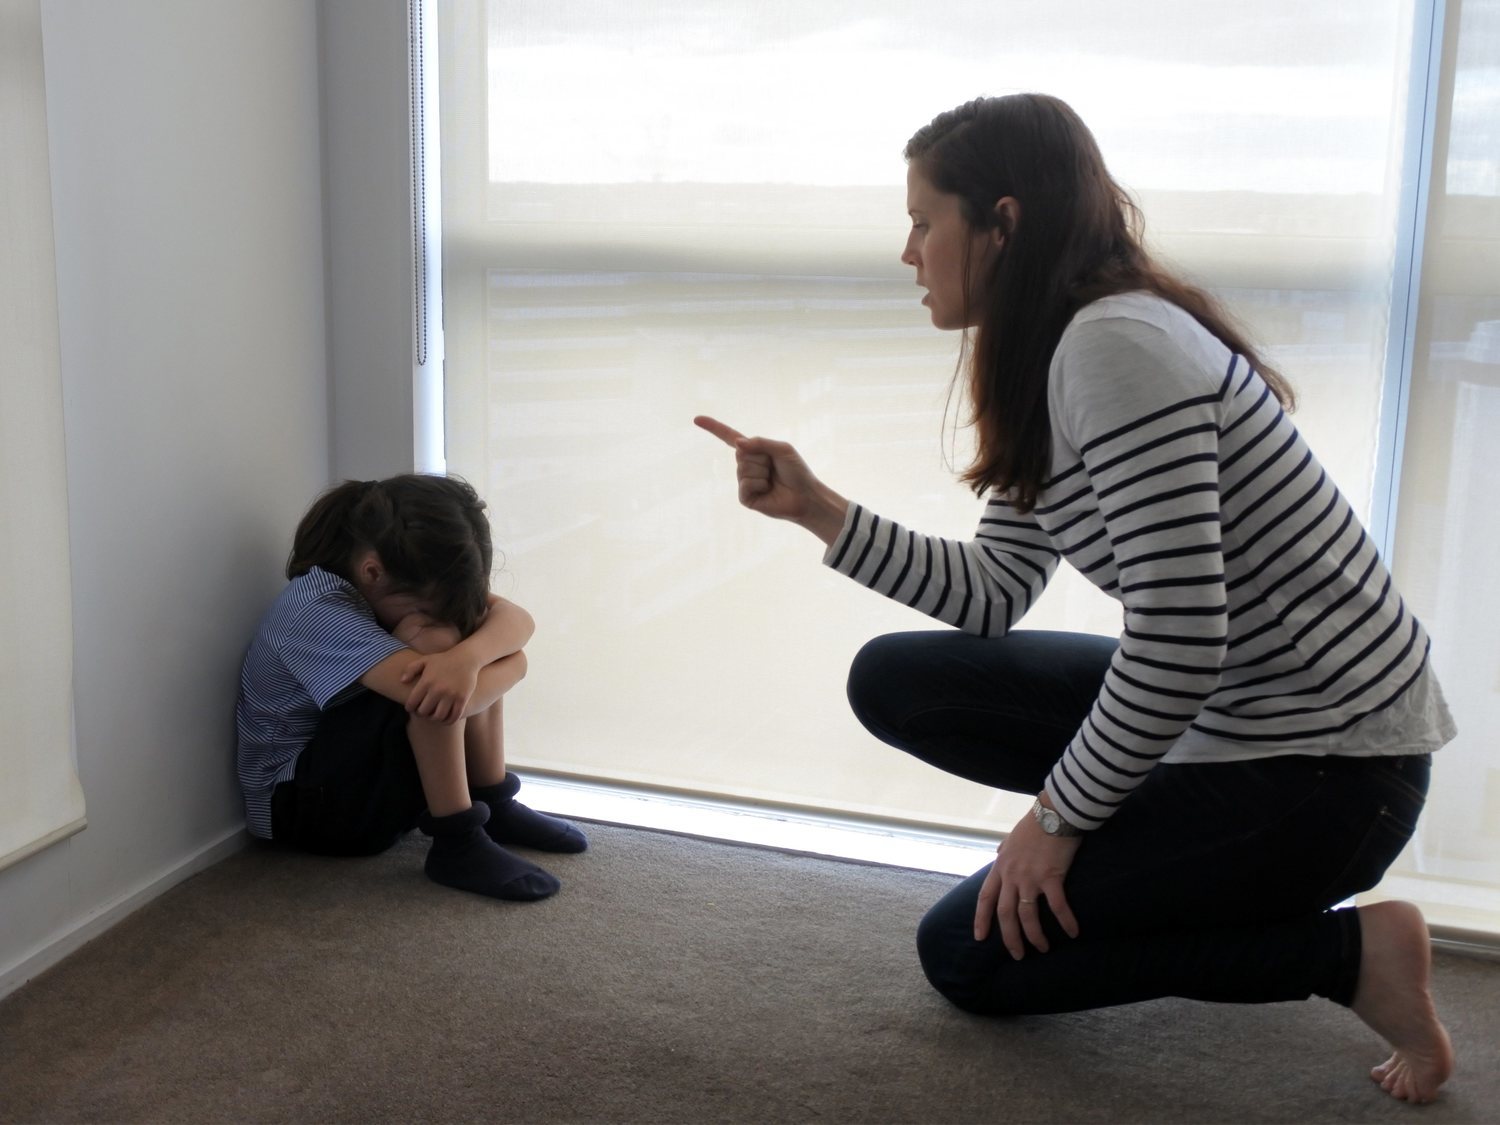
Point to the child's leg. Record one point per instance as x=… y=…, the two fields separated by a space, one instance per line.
x=484 y=747
x=439 y=750
x=510 y=821
x=356 y=790
x=463 y=855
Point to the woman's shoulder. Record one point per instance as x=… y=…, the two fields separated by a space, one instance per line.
x=1126 y=356
x=1137 y=315
x=1139 y=334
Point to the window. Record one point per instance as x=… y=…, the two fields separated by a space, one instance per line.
x=657 y=211
x=1447 y=532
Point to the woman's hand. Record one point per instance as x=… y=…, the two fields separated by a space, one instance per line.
x=776 y=482
x=1029 y=866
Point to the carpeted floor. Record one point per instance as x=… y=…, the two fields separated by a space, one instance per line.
x=672 y=980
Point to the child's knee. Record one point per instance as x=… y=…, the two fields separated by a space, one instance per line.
x=421 y=633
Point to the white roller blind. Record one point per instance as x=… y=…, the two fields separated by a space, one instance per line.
x=40 y=798
x=1447 y=530
x=652 y=212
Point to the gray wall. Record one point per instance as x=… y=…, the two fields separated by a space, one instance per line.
x=188 y=208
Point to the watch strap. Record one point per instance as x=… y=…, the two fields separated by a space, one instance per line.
x=1052 y=821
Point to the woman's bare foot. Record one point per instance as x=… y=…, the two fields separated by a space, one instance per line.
x=1394 y=997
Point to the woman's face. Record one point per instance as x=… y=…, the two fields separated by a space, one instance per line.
x=936 y=247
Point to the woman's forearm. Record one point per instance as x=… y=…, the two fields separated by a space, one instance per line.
x=826 y=513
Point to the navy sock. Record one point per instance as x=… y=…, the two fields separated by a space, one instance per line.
x=463 y=856
x=513 y=823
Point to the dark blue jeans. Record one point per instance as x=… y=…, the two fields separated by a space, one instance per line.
x=1213 y=881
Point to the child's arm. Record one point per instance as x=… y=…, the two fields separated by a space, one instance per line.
x=450 y=680
x=393 y=677
x=505 y=629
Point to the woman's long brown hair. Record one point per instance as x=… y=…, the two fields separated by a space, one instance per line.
x=1078 y=238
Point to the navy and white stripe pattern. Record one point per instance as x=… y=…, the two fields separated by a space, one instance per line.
x=314 y=643
x=1258 y=617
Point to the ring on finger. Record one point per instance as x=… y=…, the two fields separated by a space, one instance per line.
x=1027 y=901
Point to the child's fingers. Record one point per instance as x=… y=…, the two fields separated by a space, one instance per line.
x=727 y=434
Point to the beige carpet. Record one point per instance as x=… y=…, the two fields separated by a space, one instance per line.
x=672 y=980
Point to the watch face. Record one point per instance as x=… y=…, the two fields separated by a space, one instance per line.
x=1049 y=820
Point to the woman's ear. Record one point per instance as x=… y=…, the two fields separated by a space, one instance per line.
x=1007 y=218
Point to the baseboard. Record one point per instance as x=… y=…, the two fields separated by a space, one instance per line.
x=38 y=961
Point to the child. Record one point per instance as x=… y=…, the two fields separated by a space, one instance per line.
x=370 y=699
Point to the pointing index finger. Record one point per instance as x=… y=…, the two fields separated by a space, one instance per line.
x=727 y=434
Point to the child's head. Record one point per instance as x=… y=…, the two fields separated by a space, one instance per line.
x=429 y=532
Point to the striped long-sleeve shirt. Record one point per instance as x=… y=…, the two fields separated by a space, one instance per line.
x=1258 y=616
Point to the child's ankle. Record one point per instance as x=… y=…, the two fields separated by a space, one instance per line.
x=513 y=823
x=464 y=857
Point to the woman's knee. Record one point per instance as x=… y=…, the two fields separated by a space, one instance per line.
x=960 y=968
x=874 y=672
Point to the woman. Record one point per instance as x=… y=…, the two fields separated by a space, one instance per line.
x=1254 y=749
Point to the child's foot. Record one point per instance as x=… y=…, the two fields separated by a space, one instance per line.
x=1393 y=996
x=513 y=823
x=463 y=856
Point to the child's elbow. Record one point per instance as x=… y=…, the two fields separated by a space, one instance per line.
x=518 y=624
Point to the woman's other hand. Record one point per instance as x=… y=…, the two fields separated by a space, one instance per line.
x=776 y=482
x=1029 y=866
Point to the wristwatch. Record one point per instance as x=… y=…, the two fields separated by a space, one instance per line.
x=1052 y=822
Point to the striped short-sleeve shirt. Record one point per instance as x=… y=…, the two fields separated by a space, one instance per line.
x=313 y=645
x=1259 y=618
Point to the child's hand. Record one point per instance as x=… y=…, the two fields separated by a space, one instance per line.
x=444 y=682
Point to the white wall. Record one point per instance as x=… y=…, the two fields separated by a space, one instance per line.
x=187 y=191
